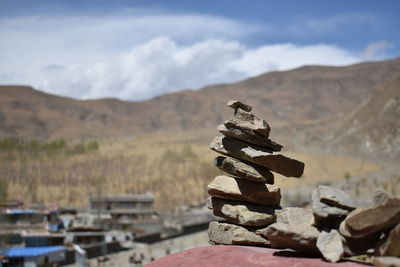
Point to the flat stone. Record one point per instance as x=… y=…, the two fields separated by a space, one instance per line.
x=247 y=121
x=236 y=104
x=260 y=156
x=330 y=244
x=391 y=245
x=296 y=216
x=375 y=219
x=230 y=234
x=227 y=187
x=243 y=170
x=243 y=213
x=387 y=262
x=249 y=137
x=248 y=256
x=297 y=237
x=335 y=197
x=380 y=197
x=324 y=212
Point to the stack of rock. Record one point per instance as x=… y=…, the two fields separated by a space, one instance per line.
x=249 y=202
x=246 y=198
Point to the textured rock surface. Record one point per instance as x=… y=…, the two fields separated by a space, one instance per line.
x=231 y=234
x=323 y=211
x=246 y=171
x=295 y=216
x=248 y=121
x=243 y=151
x=380 y=197
x=335 y=197
x=298 y=237
x=386 y=262
x=374 y=220
x=236 y=104
x=330 y=244
x=391 y=246
x=239 y=189
x=243 y=213
x=249 y=136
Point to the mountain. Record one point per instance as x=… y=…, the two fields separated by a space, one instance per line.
x=373 y=128
x=296 y=96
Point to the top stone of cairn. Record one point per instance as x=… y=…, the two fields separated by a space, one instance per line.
x=236 y=104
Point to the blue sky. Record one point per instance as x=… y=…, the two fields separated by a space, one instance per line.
x=140 y=49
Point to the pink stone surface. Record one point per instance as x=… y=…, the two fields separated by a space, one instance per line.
x=220 y=256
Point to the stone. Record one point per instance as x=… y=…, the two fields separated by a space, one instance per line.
x=249 y=137
x=247 y=121
x=221 y=233
x=243 y=170
x=335 y=197
x=295 y=216
x=391 y=245
x=330 y=244
x=380 y=197
x=240 y=150
x=243 y=213
x=343 y=229
x=239 y=189
x=387 y=262
x=375 y=219
x=236 y=104
x=297 y=237
x=324 y=212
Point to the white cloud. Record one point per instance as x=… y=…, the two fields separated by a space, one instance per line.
x=376 y=50
x=137 y=57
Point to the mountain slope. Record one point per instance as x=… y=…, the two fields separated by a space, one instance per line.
x=303 y=94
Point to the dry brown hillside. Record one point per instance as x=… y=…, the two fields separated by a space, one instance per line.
x=299 y=95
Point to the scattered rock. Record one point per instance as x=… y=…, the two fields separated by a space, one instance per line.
x=236 y=104
x=298 y=237
x=330 y=245
x=244 y=170
x=295 y=216
x=387 y=262
x=248 y=121
x=249 y=136
x=243 y=213
x=380 y=197
x=335 y=197
x=324 y=212
x=239 y=189
x=391 y=245
x=261 y=156
x=374 y=220
x=229 y=234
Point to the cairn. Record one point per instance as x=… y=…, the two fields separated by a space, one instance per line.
x=249 y=202
x=246 y=198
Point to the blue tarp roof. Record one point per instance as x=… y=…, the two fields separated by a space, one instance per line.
x=18 y=211
x=30 y=252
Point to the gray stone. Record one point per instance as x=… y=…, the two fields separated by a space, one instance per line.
x=295 y=216
x=260 y=156
x=387 y=262
x=236 y=104
x=330 y=244
x=229 y=234
x=239 y=189
x=335 y=197
x=247 y=121
x=380 y=197
x=374 y=220
x=322 y=211
x=244 y=170
x=243 y=213
x=391 y=245
x=298 y=237
x=249 y=136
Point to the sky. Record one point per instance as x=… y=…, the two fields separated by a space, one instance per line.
x=137 y=50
